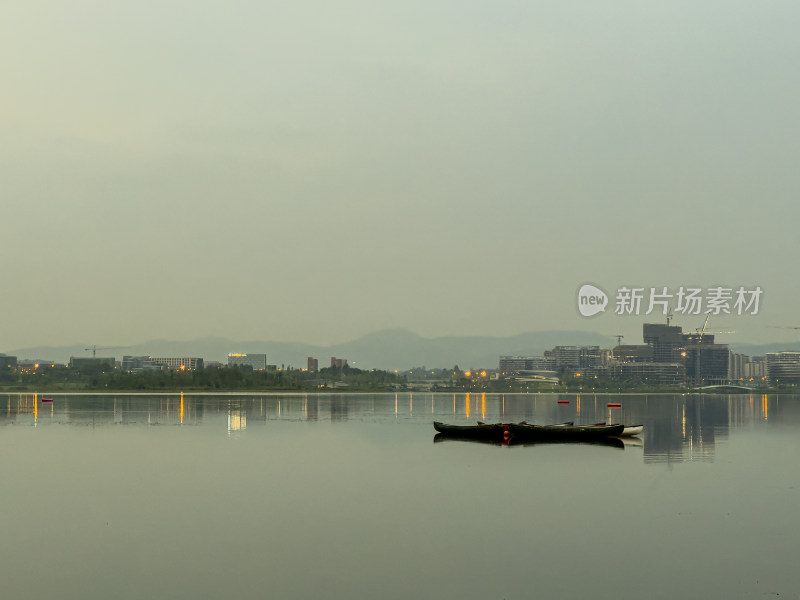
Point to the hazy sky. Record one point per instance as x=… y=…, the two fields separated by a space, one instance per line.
x=314 y=171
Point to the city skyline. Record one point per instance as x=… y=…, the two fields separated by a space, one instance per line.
x=388 y=349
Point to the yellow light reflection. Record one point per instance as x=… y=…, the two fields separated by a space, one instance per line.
x=483 y=406
x=578 y=404
x=683 y=422
x=468 y=405
x=181 y=407
x=766 y=408
x=237 y=421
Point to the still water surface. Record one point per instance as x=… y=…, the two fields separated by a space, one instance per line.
x=347 y=496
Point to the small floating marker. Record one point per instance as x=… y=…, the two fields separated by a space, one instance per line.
x=47 y=399
x=614 y=405
x=563 y=401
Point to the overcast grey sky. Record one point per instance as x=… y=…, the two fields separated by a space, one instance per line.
x=314 y=170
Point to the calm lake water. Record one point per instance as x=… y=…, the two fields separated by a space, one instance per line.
x=348 y=496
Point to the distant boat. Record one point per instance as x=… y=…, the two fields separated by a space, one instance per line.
x=47 y=399
x=631 y=430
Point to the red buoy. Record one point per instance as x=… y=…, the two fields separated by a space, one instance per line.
x=563 y=401
x=615 y=405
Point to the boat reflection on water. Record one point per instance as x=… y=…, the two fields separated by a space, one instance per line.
x=610 y=442
x=632 y=442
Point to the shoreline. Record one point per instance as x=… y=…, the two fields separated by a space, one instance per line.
x=337 y=391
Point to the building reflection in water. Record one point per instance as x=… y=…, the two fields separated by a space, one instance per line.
x=678 y=428
x=312 y=408
x=237 y=419
x=686 y=429
x=339 y=408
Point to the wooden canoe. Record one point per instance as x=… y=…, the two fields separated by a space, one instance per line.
x=486 y=431
x=631 y=430
x=565 y=432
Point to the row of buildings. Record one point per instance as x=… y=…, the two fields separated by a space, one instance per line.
x=139 y=364
x=667 y=356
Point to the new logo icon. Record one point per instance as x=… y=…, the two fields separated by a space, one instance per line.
x=591 y=300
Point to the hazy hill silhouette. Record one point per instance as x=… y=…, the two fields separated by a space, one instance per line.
x=388 y=349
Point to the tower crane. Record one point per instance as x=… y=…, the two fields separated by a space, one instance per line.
x=703 y=330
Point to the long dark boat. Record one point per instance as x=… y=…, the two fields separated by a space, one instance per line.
x=572 y=432
x=612 y=442
x=486 y=431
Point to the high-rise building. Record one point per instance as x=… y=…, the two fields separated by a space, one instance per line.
x=338 y=362
x=520 y=364
x=8 y=362
x=590 y=357
x=633 y=353
x=665 y=340
x=566 y=357
x=258 y=362
x=137 y=364
x=650 y=372
x=783 y=367
x=708 y=364
x=179 y=363
x=755 y=368
x=736 y=366
x=97 y=363
x=313 y=364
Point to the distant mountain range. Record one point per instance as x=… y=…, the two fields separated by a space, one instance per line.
x=388 y=349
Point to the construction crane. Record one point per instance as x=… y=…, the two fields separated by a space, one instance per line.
x=700 y=333
x=94 y=349
x=697 y=373
x=703 y=330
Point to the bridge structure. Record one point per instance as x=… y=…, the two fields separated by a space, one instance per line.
x=741 y=388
